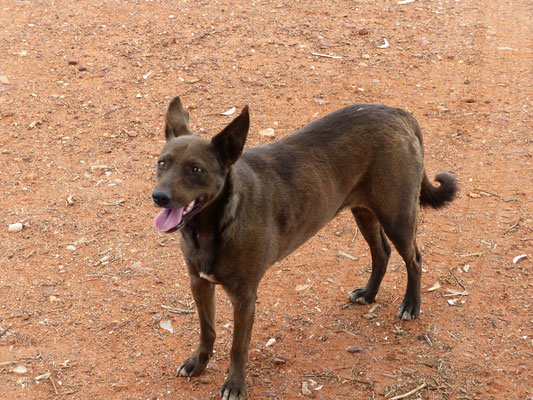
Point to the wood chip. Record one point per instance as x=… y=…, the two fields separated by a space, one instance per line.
x=349 y=256
x=43 y=377
x=112 y=203
x=327 y=56
x=518 y=258
x=231 y=111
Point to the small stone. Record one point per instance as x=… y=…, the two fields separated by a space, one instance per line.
x=270 y=342
x=71 y=247
x=132 y=133
x=267 y=132
x=4 y=80
x=82 y=68
x=355 y=349
x=72 y=62
x=20 y=369
x=48 y=290
x=469 y=100
x=279 y=361
x=193 y=106
x=366 y=56
x=364 y=31
x=16 y=227
x=319 y=101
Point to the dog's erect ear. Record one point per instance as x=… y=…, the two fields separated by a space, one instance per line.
x=230 y=142
x=176 y=120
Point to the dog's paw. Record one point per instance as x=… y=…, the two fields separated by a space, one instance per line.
x=233 y=390
x=409 y=310
x=191 y=367
x=362 y=296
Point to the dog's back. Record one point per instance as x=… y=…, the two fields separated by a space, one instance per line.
x=349 y=158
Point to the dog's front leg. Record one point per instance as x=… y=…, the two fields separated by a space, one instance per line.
x=203 y=292
x=243 y=318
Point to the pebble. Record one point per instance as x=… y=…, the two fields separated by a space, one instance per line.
x=71 y=247
x=364 y=31
x=354 y=349
x=16 y=227
x=270 y=342
x=82 y=68
x=72 y=62
x=279 y=361
x=267 y=132
x=20 y=369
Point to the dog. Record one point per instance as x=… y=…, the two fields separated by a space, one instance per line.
x=241 y=210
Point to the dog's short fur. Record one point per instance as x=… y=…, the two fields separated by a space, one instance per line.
x=241 y=211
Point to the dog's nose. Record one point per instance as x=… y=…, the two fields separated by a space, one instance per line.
x=161 y=198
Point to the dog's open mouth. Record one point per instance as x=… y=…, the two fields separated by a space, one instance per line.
x=172 y=219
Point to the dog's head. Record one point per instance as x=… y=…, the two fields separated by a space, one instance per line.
x=191 y=171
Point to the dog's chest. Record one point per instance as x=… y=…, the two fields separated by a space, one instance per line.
x=200 y=252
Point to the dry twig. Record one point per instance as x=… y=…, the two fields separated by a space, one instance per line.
x=403 y=396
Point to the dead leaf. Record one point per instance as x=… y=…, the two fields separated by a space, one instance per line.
x=305 y=389
x=454 y=292
x=166 y=325
x=434 y=287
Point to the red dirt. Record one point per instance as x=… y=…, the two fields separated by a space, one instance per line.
x=77 y=157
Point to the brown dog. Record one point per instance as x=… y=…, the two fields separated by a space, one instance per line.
x=240 y=212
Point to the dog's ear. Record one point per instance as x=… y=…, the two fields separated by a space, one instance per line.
x=230 y=142
x=176 y=120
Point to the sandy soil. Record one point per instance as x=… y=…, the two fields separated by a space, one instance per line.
x=85 y=285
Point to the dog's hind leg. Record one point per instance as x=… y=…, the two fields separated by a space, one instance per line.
x=380 y=250
x=204 y=296
x=402 y=233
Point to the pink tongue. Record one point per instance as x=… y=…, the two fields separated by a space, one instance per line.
x=167 y=219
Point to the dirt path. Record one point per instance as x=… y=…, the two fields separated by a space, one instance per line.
x=85 y=285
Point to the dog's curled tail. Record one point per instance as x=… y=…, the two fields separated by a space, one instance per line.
x=438 y=196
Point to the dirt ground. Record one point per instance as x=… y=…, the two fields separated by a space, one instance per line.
x=88 y=288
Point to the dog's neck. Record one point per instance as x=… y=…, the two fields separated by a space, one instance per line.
x=221 y=210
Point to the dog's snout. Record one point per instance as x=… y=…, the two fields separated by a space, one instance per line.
x=161 y=198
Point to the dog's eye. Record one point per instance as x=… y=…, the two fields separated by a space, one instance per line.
x=197 y=170
x=161 y=164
